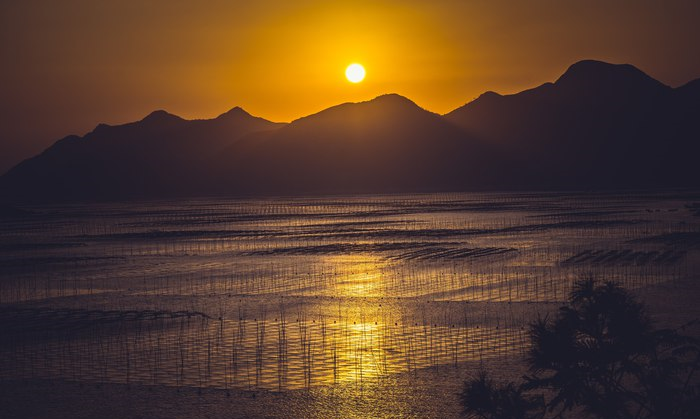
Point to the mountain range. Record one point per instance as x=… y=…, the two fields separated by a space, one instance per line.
x=599 y=126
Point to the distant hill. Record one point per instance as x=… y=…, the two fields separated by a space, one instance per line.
x=598 y=126
x=161 y=155
x=388 y=144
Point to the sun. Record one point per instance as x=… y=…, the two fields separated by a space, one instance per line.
x=355 y=73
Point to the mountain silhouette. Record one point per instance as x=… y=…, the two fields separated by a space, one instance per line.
x=599 y=125
x=161 y=155
x=387 y=144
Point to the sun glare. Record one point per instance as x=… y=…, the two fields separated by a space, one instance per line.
x=355 y=73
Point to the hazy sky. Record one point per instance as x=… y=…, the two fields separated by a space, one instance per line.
x=68 y=65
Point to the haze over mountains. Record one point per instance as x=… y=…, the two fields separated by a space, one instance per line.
x=598 y=126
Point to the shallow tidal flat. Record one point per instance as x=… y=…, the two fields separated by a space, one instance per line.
x=343 y=306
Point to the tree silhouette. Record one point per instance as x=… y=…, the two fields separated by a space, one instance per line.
x=600 y=356
x=486 y=400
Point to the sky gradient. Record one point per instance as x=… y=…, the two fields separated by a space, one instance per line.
x=71 y=64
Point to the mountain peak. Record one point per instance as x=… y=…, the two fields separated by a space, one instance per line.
x=101 y=127
x=589 y=67
x=489 y=94
x=587 y=73
x=393 y=99
x=487 y=97
x=235 y=112
x=376 y=108
x=161 y=116
x=393 y=102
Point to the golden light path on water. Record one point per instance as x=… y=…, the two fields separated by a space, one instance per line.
x=330 y=302
x=361 y=278
x=350 y=334
x=360 y=275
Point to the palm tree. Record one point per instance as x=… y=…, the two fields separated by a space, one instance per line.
x=485 y=400
x=602 y=355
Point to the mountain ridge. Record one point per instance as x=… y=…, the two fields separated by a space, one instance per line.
x=599 y=125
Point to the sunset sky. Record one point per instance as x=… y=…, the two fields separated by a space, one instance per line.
x=68 y=65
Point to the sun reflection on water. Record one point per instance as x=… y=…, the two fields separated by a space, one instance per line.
x=359 y=275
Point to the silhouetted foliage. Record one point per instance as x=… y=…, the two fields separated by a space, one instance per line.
x=484 y=399
x=600 y=356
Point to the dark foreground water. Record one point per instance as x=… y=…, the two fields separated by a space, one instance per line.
x=373 y=306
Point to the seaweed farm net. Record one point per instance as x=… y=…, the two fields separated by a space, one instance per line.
x=295 y=293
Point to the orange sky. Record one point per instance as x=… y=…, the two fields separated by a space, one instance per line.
x=68 y=65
